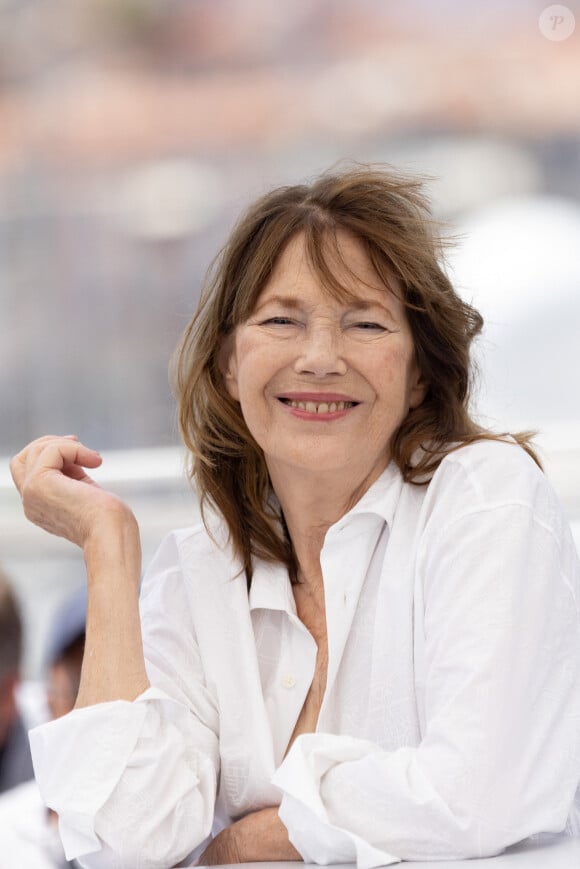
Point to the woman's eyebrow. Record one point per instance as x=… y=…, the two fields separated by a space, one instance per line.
x=293 y=303
x=284 y=302
x=368 y=305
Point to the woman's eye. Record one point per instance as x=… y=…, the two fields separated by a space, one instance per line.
x=277 y=321
x=370 y=326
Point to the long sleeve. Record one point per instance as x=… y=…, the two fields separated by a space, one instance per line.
x=449 y=727
x=497 y=657
x=140 y=777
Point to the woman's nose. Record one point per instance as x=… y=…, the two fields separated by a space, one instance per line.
x=320 y=352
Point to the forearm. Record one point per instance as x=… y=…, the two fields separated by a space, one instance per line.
x=59 y=496
x=258 y=837
x=113 y=664
x=145 y=772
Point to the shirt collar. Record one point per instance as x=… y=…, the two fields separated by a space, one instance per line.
x=271 y=588
x=379 y=500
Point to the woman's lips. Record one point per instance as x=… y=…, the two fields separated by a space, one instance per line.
x=328 y=405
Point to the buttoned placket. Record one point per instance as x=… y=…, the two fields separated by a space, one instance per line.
x=286 y=677
x=345 y=560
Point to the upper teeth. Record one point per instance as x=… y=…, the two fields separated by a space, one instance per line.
x=321 y=406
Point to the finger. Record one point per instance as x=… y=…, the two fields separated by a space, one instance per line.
x=32 y=449
x=76 y=472
x=64 y=454
x=22 y=461
x=52 y=453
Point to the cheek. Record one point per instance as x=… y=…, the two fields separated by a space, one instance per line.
x=257 y=364
x=249 y=390
x=395 y=366
x=396 y=376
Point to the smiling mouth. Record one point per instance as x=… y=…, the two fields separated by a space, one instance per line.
x=319 y=407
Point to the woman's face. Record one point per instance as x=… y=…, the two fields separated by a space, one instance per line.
x=324 y=384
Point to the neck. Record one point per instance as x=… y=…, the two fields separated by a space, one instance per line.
x=311 y=503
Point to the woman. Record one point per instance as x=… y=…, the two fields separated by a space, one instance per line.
x=371 y=650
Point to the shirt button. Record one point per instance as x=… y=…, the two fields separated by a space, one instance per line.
x=288 y=681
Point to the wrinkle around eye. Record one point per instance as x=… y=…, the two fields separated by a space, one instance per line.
x=371 y=329
x=279 y=321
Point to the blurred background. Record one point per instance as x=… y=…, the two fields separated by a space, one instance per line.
x=132 y=133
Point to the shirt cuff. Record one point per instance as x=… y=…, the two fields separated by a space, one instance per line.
x=93 y=745
x=302 y=810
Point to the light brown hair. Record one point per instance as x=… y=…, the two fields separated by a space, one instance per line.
x=390 y=216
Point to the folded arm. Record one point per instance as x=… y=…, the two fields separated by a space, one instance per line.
x=499 y=757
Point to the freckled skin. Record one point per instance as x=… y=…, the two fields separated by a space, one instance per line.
x=301 y=339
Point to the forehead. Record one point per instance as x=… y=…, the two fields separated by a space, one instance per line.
x=340 y=267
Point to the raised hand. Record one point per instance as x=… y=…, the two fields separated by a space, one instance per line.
x=57 y=493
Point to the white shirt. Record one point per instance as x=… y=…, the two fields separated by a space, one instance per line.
x=450 y=726
x=28 y=838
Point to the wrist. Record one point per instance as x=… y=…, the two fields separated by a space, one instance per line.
x=262 y=836
x=235 y=848
x=112 y=550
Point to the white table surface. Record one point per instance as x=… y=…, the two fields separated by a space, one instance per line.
x=558 y=854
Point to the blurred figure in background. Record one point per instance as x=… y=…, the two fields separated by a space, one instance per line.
x=15 y=759
x=28 y=829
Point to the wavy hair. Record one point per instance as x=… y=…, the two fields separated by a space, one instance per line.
x=388 y=213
